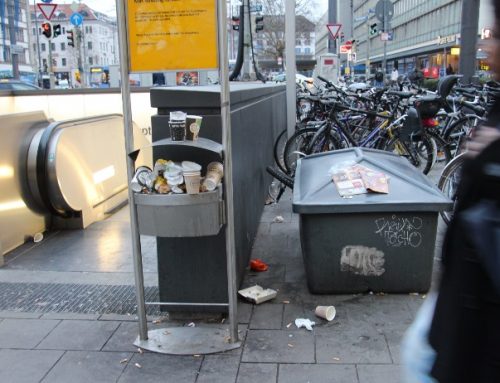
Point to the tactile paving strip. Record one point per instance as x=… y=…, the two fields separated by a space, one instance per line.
x=74 y=298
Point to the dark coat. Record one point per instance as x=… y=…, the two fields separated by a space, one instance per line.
x=465 y=330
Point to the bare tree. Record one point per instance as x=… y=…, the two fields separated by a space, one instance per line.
x=274 y=24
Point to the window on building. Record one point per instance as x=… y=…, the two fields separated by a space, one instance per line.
x=297 y=51
x=43 y=47
x=63 y=46
x=297 y=42
x=34 y=31
x=53 y=46
x=54 y=62
x=90 y=28
x=89 y=45
x=63 y=62
x=91 y=61
x=307 y=51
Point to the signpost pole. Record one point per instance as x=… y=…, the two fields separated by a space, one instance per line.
x=121 y=8
x=385 y=22
x=368 y=41
x=290 y=65
x=228 y=169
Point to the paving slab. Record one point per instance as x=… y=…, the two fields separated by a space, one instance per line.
x=257 y=373
x=267 y=316
x=245 y=310
x=379 y=373
x=24 y=333
x=279 y=346
x=79 y=335
x=85 y=367
x=218 y=369
x=19 y=315
x=157 y=368
x=317 y=373
x=70 y=316
x=356 y=343
x=26 y=366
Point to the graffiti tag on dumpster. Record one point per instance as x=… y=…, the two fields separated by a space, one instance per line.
x=400 y=231
x=362 y=260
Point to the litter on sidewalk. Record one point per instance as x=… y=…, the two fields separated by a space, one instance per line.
x=257 y=294
x=302 y=322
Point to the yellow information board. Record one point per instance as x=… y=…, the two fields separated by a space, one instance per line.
x=172 y=35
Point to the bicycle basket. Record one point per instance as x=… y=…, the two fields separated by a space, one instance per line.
x=428 y=106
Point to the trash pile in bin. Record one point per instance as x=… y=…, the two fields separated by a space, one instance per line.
x=351 y=178
x=169 y=177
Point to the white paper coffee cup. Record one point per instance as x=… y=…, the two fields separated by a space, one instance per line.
x=326 y=312
x=192 y=180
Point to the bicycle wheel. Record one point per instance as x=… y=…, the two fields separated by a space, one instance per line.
x=448 y=184
x=442 y=149
x=279 y=150
x=280 y=176
x=456 y=135
x=295 y=146
x=419 y=151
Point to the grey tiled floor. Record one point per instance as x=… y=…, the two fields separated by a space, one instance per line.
x=361 y=345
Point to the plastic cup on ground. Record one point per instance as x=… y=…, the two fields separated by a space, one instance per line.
x=326 y=312
x=193 y=126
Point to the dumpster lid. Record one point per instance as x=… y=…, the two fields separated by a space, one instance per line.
x=409 y=190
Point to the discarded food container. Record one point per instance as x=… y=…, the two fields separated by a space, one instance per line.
x=370 y=241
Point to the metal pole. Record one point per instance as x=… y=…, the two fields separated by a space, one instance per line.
x=367 y=61
x=40 y=78
x=468 y=35
x=290 y=65
x=228 y=169
x=384 y=64
x=121 y=8
x=51 y=67
x=12 y=33
x=245 y=72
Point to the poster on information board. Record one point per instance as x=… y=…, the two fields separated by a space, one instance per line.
x=172 y=35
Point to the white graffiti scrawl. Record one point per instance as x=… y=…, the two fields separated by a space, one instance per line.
x=400 y=231
x=362 y=260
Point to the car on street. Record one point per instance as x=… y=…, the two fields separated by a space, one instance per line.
x=12 y=84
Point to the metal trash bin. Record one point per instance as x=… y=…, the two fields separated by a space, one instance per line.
x=370 y=242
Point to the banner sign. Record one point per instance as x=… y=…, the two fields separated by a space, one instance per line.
x=172 y=35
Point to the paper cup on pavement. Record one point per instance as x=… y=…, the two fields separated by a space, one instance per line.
x=193 y=126
x=326 y=312
x=192 y=180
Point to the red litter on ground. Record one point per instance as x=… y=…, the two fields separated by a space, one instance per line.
x=258 y=265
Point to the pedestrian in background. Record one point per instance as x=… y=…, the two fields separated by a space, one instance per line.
x=449 y=70
x=379 y=78
x=394 y=76
x=456 y=335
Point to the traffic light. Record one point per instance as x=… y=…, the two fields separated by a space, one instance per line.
x=56 y=30
x=259 y=23
x=373 y=29
x=236 y=23
x=47 y=29
x=71 y=38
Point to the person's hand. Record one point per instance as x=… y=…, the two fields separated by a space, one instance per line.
x=481 y=139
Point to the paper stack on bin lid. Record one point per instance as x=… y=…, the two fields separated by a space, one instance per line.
x=409 y=190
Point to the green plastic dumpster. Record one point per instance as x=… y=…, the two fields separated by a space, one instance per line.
x=366 y=242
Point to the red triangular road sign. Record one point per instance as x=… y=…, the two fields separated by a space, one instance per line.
x=47 y=10
x=334 y=29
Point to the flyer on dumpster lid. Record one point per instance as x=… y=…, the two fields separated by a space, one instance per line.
x=357 y=179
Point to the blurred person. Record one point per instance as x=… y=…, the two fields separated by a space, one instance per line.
x=379 y=78
x=455 y=337
x=394 y=76
x=449 y=70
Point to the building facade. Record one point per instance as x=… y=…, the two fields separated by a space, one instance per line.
x=95 y=46
x=15 y=39
x=423 y=34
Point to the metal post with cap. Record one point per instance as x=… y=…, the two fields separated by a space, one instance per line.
x=183 y=340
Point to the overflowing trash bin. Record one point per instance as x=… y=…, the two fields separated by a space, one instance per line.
x=368 y=222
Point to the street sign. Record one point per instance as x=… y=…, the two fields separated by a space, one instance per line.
x=256 y=8
x=47 y=1
x=76 y=19
x=386 y=36
x=345 y=48
x=348 y=44
x=334 y=29
x=16 y=49
x=384 y=9
x=47 y=9
x=351 y=57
